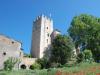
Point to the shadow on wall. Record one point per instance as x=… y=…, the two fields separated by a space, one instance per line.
x=47 y=51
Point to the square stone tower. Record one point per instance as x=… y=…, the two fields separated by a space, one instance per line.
x=41 y=36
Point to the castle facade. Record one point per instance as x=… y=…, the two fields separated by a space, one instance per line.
x=42 y=37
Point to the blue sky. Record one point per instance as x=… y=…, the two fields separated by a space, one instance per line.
x=16 y=16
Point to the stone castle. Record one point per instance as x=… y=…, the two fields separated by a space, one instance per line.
x=42 y=36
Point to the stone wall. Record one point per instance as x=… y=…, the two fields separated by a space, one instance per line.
x=27 y=62
x=9 y=48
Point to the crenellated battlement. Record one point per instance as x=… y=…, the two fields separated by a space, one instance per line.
x=42 y=16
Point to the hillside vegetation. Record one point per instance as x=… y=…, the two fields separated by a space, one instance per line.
x=80 y=69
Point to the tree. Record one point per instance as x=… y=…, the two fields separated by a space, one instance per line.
x=85 y=32
x=9 y=63
x=62 y=49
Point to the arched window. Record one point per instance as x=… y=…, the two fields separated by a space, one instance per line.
x=31 y=67
x=23 y=66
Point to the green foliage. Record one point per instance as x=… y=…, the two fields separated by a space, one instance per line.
x=44 y=62
x=81 y=69
x=55 y=65
x=62 y=49
x=85 y=32
x=35 y=66
x=80 y=57
x=9 y=63
x=87 y=55
x=27 y=55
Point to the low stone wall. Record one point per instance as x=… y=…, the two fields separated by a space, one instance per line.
x=27 y=62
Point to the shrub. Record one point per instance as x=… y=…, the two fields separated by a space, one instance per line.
x=55 y=65
x=43 y=62
x=9 y=64
x=35 y=66
x=87 y=55
x=80 y=57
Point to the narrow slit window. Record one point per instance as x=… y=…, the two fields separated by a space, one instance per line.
x=48 y=34
x=47 y=40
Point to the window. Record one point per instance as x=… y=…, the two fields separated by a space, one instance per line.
x=48 y=34
x=47 y=40
x=23 y=66
x=12 y=42
x=4 y=53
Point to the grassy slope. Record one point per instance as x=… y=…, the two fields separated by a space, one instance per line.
x=81 y=69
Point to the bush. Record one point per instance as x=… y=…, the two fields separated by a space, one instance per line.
x=80 y=57
x=55 y=65
x=9 y=64
x=35 y=66
x=87 y=55
x=43 y=62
